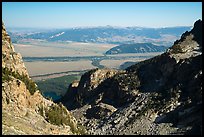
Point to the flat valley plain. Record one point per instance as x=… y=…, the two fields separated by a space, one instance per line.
x=84 y=56
x=41 y=48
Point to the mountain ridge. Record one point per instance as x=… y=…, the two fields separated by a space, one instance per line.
x=136 y=48
x=158 y=96
x=124 y=35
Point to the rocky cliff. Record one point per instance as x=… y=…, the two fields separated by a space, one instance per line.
x=24 y=109
x=161 y=95
x=11 y=59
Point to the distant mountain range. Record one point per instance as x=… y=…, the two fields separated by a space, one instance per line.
x=107 y=34
x=136 y=48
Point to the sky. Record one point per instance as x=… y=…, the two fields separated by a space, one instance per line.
x=90 y=14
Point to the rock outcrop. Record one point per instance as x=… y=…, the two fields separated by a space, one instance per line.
x=85 y=91
x=90 y=81
x=24 y=110
x=11 y=59
x=161 y=95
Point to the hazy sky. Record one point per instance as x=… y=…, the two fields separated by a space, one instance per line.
x=75 y=14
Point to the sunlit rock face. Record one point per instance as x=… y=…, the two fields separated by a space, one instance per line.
x=24 y=110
